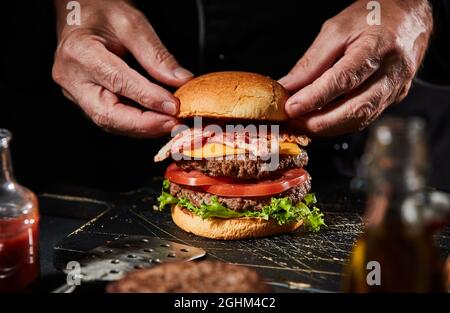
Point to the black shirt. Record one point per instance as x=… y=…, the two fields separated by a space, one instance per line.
x=55 y=144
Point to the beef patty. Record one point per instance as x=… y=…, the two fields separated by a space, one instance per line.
x=205 y=276
x=197 y=196
x=243 y=169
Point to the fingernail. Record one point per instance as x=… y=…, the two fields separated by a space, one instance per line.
x=291 y=107
x=169 y=107
x=284 y=80
x=169 y=125
x=182 y=73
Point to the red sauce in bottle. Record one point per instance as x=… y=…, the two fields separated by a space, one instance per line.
x=19 y=227
x=19 y=251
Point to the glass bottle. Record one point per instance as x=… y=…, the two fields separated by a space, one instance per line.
x=19 y=227
x=396 y=253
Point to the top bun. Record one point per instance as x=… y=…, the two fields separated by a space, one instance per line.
x=239 y=95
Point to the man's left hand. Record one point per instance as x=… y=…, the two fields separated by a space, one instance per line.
x=354 y=70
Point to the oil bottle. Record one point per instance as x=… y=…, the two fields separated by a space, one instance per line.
x=396 y=253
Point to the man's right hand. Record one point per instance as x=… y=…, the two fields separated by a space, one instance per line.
x=89 y=68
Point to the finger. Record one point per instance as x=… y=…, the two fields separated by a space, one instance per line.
x=111 y=72
x=353 y=113
x=349 y=72
x=105 y=110
x=322 y=53
x=142 y=41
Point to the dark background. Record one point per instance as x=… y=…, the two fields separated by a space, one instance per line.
x=54 y=143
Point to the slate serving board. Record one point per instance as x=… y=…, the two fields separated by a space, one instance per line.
x=315 y=259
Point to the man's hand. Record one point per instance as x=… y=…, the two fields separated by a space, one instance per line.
x=353 y=70
x=89 y=68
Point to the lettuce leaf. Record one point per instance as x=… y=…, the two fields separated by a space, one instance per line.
x=215 y=209
x=282 y=210
x=165 y=184
x=166 y=199
x=311 y=215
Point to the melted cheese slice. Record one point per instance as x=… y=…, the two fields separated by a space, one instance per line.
x=289 y=148
x=214 y=150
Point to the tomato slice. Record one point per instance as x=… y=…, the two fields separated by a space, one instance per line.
x=288 y=179
x=192 y=178
x=229 y=187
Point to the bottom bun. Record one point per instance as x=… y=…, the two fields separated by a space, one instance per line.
x=229 y=228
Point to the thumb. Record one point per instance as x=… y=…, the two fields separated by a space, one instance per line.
x=143 y=42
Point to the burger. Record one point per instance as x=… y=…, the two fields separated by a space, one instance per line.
x=240 y=173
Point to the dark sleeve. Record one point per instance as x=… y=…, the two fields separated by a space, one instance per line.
x=436 y=66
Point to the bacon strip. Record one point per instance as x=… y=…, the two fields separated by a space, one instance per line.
x=255 y=145
x=298 y=139
x=185 y=140
x=196 y=137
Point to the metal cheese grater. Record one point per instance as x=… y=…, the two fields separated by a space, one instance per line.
x=117 y=257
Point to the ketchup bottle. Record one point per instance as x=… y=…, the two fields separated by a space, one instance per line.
x=19 y=228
